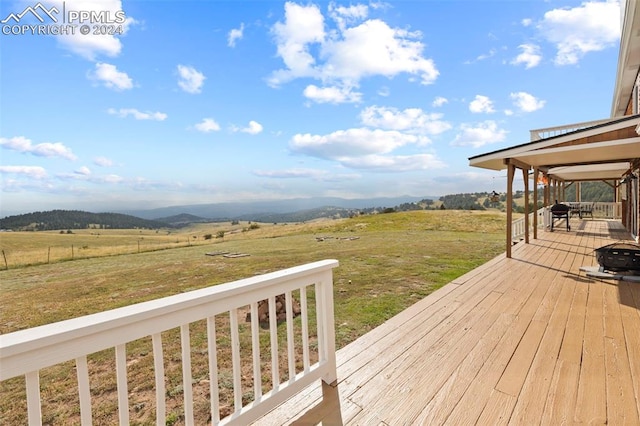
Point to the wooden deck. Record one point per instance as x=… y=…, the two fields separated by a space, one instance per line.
x=527 y=340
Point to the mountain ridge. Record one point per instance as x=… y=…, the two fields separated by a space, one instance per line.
x=247 y=210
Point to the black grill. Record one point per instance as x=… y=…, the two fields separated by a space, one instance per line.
x=619 y=257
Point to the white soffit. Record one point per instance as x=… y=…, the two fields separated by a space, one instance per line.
x=598 y=152
x=609 y=171
x=495 y=160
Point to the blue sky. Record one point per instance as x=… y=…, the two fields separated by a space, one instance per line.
x=214 y=101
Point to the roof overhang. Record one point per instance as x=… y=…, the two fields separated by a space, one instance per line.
x=572 y=155
x=628 y=59
x=601 y=152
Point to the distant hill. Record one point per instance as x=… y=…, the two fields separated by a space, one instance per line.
x=301 y=215
x=254 y=210
x=183 y=219
x=75 y=219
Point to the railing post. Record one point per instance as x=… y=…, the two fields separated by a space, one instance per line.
x=33 y=398
x=328 y=349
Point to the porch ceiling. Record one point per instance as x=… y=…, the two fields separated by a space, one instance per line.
x=610 y=171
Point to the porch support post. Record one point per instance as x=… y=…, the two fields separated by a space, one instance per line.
x=546 y=190
x=536 y=174
x=525 y=178
x=511 y=169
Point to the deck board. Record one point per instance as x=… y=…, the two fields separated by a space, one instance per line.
x=526 y=340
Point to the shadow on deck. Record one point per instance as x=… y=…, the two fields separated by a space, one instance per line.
x=526 y=340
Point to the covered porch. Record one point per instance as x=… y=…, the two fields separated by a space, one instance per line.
x=522 y=340
x=606 y=150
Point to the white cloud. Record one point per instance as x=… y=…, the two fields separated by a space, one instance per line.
x=234 y=35
x=84 y=171
x=355 y=142
x=333 y=95
x=384 y=91
x=207 y=125
x=397 y=163
x=90 y=45
x=343 y=15
x=111 y=179
x=412 y=120
x=138 y=115
x=253 y=128
x=490 y=54
x=481 y=104
x=439 y=101
x=34 y=172
x=303 y=25
x=590 y=27
x=46 y=149
x=374 y=48
x=481 y=134
x=292 y=173
x=341 y=57
x=191 y=80
x=526 y=102
x=526 y=22
x=530 y=56
x=103 y=162
x=110 y=77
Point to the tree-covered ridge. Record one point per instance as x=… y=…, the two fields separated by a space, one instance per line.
x=76 y=219
x=592 y=191
x=463 y=201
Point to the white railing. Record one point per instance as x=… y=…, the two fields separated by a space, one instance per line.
x=607 y=210
x=26 y=352
x=518 y=228
x=600 y=210
x=548 y=132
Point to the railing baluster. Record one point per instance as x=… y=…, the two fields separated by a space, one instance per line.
x=213 y=369
x=290 y=342
x=121 y=378
x=320 y=320
x=84 y=390
x=305 y=329
x=33 y=398
x=158 y=367
x=235 y=360
x=273 y=330
x=255 y=348
x=185 y=342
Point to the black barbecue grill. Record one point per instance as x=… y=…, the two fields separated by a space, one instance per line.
x=619 y=257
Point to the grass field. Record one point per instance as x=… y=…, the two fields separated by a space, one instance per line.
x=395 y=260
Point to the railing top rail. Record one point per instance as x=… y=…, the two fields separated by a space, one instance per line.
x=152 y=316
x=575 y=126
